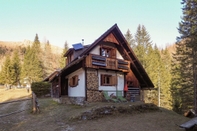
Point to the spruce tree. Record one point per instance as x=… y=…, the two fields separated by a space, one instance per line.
x=27 y=64
x=16 y=68
x=33 y=66
x=176 y=82
x=62 y=60
x=150 y=60
x=129 y=38
x=153 y=70
x=165 y=81
x=185 y=59
x=143 y=44
x=47 y=59
x=37 y=73
x=6 y=72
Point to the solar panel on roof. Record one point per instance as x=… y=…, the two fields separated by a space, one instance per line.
x=77 y=46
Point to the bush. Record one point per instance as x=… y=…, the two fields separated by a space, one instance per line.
x=41 y=88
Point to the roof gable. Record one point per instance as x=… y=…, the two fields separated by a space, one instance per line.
x=114 y=35
x=111 y=38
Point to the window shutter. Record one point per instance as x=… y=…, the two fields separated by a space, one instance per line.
x=113 y=80
x=113 y=53
x=76 y=80
x=70 y=82
x=102 y=79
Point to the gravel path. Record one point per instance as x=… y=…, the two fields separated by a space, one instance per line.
x=9 y=108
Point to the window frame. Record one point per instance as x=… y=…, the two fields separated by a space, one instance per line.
x=108 y=52
x=105 y=78
x=73 y=81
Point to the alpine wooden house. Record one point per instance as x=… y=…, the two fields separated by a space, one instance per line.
x=107 y=64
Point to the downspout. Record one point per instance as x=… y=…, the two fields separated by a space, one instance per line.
x=85 y=84
x=116 y=82
x=125 y=82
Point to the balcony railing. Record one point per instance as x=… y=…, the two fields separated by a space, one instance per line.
x=97 y=61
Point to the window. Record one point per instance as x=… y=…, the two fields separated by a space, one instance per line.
x=108 y=52
x=69 y=58
x=105 y=52
x=73 y=81
x=108 y=80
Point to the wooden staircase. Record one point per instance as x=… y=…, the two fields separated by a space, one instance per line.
x=135 y=93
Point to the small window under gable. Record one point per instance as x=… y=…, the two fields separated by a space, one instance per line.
x=108 y=80
x=108 y=52
x=69 y=58
x=73 y=81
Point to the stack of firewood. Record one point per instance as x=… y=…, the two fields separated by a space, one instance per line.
x=94 y=96
x=92 y=81
x=93 y=93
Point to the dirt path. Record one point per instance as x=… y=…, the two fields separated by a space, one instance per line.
x=14 y=107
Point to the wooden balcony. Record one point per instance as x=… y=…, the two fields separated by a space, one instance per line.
x=97 y=61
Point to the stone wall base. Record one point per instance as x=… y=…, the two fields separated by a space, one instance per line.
x=77 y=100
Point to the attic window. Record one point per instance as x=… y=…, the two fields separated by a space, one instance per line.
x=108 y=80
x=73 y=81
x=108 y=52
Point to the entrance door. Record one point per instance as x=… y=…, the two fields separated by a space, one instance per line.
x=64 y=89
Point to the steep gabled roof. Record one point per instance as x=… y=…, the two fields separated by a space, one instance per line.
x=77 y=52
x=52 y=76
x=135 y=65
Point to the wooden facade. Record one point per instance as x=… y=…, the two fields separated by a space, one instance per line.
x=101 y=62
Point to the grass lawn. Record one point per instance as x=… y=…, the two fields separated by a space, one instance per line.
x=13 y=94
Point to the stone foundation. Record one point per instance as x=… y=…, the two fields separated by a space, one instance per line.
x=62 y=100
x=77 y=100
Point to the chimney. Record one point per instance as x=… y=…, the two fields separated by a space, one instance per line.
x=82 y=42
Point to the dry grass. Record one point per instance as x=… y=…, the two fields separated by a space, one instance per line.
x=56 y=117
x=13 y=94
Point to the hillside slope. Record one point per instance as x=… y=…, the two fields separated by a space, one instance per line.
x=7 y=48
x=25 y=43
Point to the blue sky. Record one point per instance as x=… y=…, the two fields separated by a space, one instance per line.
x=73 y=20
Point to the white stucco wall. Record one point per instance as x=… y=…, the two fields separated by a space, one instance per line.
x=118 y=55
x=96 y=51
x=120 y=84
x=112 y=89
x=79 y=90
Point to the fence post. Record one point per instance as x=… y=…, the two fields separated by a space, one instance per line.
x=34 y=102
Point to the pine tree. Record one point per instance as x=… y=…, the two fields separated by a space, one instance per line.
x=36 y=44
x=185 y=59
x=153 y=70
x=6 y=72
x=165 y=81
x=176 y=83
x=16 y=67
x=33 y=66
x=129 y=38
x=149 y=59
x=27 y=64
x=47 y=59
x=63 y=59
x=37 y=73
x=143 y=44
